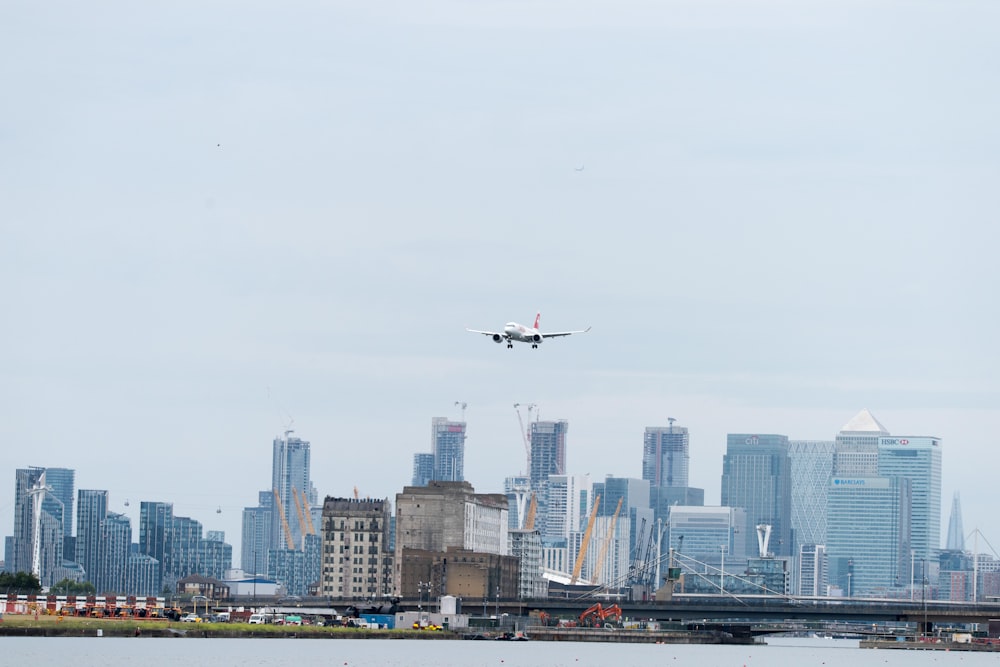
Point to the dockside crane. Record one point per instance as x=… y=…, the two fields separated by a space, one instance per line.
x=585 y=542
x=607 y=542
x=308 y=512
x=298 y=511
x=529 y=519
x=284 y=521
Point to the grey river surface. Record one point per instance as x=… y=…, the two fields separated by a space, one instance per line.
x=190 y=652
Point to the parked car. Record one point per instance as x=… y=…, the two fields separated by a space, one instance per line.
x=191 y=618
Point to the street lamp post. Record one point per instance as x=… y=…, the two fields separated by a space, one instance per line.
x=923 y=594
x=722 y=570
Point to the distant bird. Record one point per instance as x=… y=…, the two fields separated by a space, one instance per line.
x=580 y=168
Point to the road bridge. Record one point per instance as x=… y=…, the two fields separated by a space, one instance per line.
x=817 y=612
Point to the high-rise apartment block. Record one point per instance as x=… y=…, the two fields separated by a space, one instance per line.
x=448 y=441
x=548 y=451
x=665 y=455
x=291 y=483
x=423 y=468
x=91 y=510
x=357 y=562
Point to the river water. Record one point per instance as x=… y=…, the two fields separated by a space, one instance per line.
x=190 y=652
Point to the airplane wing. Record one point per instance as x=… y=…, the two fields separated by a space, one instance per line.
x=488 y=333
x=556 y=334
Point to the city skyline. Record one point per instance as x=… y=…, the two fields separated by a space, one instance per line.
x=880 y=438
x=218 y=230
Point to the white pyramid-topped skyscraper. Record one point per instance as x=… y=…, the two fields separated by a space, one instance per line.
x=856 y=452
x=864 y=423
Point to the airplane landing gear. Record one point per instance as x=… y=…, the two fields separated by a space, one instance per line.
x=534 y=346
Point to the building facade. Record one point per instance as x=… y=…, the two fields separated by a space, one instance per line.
x=290 y=484
x=448 y=443
x=917 y=459
x=868 y=529
x=448 y=515
x=665 y=455
x=355 y=555
x=91 y=510
x=756 y=475
x=811 y=469
x=548 y=451
x=423 y=468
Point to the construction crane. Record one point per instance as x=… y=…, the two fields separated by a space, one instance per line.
x=529 y=519
x=633 y=573
x=308 y=513
x=607 y=542
x=585 y=542
x=462 y=405
x=284 y=521
x=298 y=510
x=525 y=436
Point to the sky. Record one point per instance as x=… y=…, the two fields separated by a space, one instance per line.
x=222 y=220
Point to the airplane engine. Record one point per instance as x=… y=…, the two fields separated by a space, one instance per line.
x=497 y=338
x=537 y=338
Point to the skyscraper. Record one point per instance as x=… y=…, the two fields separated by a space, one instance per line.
x=154 y=521
x=918 y=459
x=423 y=468
x=290 y=479
x=569 y=499
x=548 y=451
x=448 y=442
x=756 y=475
x=116 y=543
x=665 y=455
x=91 y=510
x=956 y=534
x=868 y=528
x=59 y=502
x=811 y=468
x=256 y=538
x=856 y=450
x=41 y=522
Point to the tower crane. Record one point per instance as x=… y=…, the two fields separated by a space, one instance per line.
x=462 y=405
x=585 y=542
x=525 y=435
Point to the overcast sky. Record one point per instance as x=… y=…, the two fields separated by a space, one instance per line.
x=222 y=218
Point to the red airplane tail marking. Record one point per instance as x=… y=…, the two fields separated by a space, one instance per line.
x=538 y=318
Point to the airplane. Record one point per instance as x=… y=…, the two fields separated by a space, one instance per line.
x=512 y=331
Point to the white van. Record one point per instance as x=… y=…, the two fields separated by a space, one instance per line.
x=256 y=619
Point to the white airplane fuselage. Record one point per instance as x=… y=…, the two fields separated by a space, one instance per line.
x=522 y=334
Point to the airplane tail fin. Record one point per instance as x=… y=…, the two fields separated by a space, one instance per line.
x=538 y=318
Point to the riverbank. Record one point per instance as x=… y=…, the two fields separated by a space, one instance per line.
x=54 y=626
x=940 y=645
